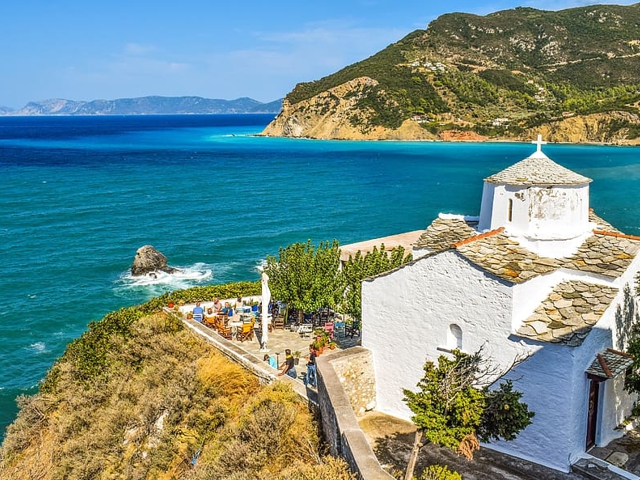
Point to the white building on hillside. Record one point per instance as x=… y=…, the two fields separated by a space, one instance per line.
x=536 y=276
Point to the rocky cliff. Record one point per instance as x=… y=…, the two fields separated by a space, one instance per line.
x=335 y=114
x=612 y=128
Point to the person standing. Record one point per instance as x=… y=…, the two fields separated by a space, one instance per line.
x=311 y=377
x=288 y=366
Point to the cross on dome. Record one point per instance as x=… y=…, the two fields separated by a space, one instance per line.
x=539 y=143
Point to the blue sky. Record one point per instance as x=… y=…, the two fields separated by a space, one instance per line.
x=97 y=49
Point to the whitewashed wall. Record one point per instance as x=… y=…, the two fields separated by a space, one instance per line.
x=562 y=212
x=406 y=317
x=547 y=384
x=486 y=207
x=407 y=314
x=555 y=386
x=536 y=212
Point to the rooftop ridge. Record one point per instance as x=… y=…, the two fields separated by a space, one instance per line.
x=537 y=169
x=618 y=352
x=616 y=234
x=604 y=365
x=478 y=237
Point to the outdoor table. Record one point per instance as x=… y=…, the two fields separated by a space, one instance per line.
x=234 y=325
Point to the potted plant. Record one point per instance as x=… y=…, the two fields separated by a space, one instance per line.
x=296 y=357
x=321 y=341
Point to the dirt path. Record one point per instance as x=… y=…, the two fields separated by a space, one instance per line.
x=392 y=440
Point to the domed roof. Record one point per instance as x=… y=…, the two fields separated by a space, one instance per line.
x=537 y=169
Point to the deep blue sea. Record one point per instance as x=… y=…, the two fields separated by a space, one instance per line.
x=79 y=196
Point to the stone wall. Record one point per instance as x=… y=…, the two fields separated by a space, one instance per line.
x=346 y=384
x=356 y=375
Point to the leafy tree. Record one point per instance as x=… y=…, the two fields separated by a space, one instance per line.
x=632 y=380
x=306 y=277
x=629 y=315
x=504 y=415
x=450 y=408
x=360 y=266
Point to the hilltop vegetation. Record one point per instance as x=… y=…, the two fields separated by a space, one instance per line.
x=140 y=396
x=496 y=75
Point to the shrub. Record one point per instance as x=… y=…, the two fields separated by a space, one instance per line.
x=439 y=472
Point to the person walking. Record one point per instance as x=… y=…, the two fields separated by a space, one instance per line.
x=311 y=377
x=288 y=366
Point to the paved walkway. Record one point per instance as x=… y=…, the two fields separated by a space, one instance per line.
x=278 y=341
x=624 y=452
x=281 y=339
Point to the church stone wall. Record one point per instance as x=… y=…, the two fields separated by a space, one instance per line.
x=356 y=375
x=345 y=383
x=408 y=316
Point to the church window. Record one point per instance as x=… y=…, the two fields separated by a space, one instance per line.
x=510 y=212
x=454 y=337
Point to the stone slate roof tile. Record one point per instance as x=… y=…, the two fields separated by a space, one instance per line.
x=603 y=253
x=569 y=312
x=610 y=363
x=444 y=232
x=537 y=169
x=505 y=258
x=607 y=252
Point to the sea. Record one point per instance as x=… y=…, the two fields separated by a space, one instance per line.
x=79 y=196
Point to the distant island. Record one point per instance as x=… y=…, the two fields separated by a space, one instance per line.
x=153 y=105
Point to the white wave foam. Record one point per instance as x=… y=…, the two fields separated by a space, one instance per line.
x=159 y=282
x=39 y=347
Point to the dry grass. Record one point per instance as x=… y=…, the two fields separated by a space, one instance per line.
x=167 y=405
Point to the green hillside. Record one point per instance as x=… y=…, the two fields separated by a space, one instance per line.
x=506 y=71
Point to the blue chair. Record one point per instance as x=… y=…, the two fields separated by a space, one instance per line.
x=339 y=327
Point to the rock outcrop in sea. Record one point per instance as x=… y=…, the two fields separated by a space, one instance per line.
x=149 y=260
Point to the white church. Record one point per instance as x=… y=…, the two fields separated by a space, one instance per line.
x=536 y=278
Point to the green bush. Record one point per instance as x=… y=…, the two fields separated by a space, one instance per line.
x=90 y=353
x=439 y=472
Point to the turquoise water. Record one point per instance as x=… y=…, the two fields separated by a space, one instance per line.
x=81 y=194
